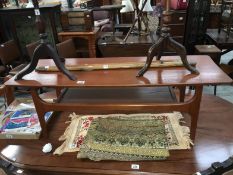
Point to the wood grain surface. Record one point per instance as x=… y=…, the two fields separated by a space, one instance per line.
x=210 y=73
x=214 y=142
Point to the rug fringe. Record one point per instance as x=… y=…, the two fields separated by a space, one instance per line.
x=183 y=134
x=68 y=133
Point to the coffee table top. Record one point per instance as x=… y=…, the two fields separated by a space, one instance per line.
x=210 y=73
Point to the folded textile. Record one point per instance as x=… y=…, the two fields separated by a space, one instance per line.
x=126 y=139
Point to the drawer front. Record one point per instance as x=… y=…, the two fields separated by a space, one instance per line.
x=178 y=18
x=75 y=14
x=177 y=29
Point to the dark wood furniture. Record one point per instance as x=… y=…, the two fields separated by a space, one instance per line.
x=166 y=42
x=82 y=20
x=213 y=144
x=123 y=78
x=10 y=57
x=197 y=22
x=211 y=50
x=214 y=20
x=136 y=45
x=76 y=19
x=114 y=10
x=177 y=25
x=223 y=43
x=98 y=3
x=214 y=15
x=66 y=49
x=45 y=9
x=44 y=50
x=220 y=40
x=90 y=37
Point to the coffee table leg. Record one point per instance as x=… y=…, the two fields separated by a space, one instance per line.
x=41 y=110
x=182 y=93
x=194 y=108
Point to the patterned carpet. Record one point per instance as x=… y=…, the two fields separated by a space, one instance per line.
x=157 y=133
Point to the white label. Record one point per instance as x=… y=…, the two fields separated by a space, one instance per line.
x=135 y=166
x=105 y=66
x=80 y=82
x=181 y=18
x=19 y=171
x=37 y=12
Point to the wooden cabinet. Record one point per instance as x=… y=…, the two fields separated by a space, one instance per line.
x=177 y=25
x=197 y=22
x=76 y=19
x=90 y=37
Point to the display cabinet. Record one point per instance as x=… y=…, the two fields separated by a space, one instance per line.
x=197 y=22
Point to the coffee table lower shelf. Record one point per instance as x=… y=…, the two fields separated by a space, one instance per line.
x=212 y=137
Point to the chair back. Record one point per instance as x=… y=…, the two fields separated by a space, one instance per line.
x=9 y=52
x=31 y=47
x=66 y=49
x=99 y=15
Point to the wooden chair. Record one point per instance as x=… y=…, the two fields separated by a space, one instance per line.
x=10 y=57
x=103 y=20
x=2 y=73
x=31 y=47
x=66 y=49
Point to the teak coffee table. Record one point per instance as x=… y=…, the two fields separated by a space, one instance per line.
x=120 y=90
x=112 y=91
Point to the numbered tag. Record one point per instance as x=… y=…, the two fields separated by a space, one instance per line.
x=19 y=171
x=37 y=12
x=81 y=82
x=105 y=66
x=135 y=166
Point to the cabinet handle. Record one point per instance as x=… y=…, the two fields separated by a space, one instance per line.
x=181 y=18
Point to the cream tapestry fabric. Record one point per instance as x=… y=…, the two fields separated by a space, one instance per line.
x=73 y=137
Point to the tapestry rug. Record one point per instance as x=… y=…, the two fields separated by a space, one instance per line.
x=177 y=136
x=126 y=139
